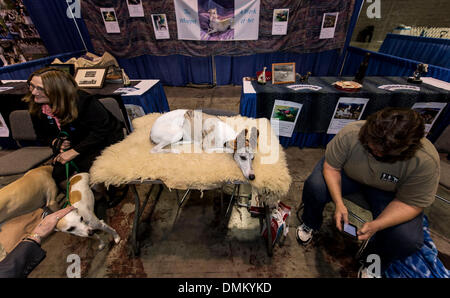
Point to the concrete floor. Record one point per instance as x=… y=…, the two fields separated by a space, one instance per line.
x=201 y=242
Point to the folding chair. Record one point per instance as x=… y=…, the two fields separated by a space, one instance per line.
x=24 y=158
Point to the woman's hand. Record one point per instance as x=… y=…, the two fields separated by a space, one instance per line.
x=48 y=224
x=340 y=215
x=65 y=157
x=64 y=146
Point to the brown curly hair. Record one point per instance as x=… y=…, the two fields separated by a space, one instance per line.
x=396 y=131
x=62 y=92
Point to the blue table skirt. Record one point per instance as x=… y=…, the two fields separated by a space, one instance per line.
x=248 y=108
x=152 y=101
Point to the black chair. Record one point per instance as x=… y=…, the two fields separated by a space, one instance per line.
x=24 y=158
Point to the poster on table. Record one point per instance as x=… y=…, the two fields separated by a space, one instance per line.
x=217 y=20
x=280 y=21
x=329 y=22
x=284 y=117
x=430 y=111
x=4 y=131
x=348 y=109
x=160 y=26
x=135 y=8
x=110 y=19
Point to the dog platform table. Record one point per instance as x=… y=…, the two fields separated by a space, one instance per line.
x=130 y=162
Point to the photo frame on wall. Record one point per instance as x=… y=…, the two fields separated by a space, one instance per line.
x=90 y=77
x=283 y=73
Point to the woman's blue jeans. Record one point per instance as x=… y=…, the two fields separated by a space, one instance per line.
x=393 y=243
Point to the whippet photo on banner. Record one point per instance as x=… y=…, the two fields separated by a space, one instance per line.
x=217 y=20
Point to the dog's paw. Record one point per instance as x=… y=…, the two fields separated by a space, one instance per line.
x=117 y=239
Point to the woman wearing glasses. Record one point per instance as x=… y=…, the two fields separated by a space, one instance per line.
x=75 y=124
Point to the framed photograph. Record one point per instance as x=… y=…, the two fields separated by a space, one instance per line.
x=283 y=73
x=69 y=68
x=90 y=77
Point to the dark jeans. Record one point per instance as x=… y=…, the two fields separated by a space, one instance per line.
x=396 y=242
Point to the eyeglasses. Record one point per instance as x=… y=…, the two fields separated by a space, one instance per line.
x=32 y=87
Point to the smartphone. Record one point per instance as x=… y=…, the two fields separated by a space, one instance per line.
x=350 y=230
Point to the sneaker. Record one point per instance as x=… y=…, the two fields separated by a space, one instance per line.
x=304 y=234
x=363 y=272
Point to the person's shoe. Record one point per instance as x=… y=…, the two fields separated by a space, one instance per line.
x=304 y=234
x=363 y=272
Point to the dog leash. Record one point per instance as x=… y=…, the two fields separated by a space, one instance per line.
x=70 y=163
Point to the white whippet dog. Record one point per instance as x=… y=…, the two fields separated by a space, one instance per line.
x=217 y=25
x=82 y=221
x=179 y=126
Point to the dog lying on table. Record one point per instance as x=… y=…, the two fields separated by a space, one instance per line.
x=214 y=135
x=82 y=221
x=34 y=190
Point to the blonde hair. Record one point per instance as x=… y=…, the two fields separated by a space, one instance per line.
x=62 y=92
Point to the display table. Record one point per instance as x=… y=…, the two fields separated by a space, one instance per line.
x=149 y=95
x=318 y=106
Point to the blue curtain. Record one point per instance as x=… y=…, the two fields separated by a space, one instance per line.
x=351 y=28
x=231 y=69
x=58 y=32
x=175 y=70
x=387 y=65
x=435 y=51
x=23 y=70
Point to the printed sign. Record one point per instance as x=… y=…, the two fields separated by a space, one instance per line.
x=347 y=110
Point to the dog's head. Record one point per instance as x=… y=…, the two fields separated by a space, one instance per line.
x=73 y=223
x=212 y=13
x=244 y=151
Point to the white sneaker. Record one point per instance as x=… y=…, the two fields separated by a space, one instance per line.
x=304 y=234
x=364 y=273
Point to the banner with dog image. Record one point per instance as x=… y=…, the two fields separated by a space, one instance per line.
x=217 y=20
x=347 y=110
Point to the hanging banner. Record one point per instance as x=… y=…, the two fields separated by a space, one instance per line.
x=217 y=20
x=348 y=109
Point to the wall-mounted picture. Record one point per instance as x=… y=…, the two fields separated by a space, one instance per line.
x=109 y=16
x=90 y=77
x=283 y=73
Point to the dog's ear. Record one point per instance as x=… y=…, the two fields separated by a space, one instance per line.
x=254 y=135
x=241 y=139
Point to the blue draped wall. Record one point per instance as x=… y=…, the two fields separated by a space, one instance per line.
x=57 y=31
x=387 y=65
x=23 y=70
x=435 y=51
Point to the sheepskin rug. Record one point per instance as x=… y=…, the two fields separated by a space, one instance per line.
x=131 y=160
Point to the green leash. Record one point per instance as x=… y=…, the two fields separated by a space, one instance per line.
x=70 y=163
